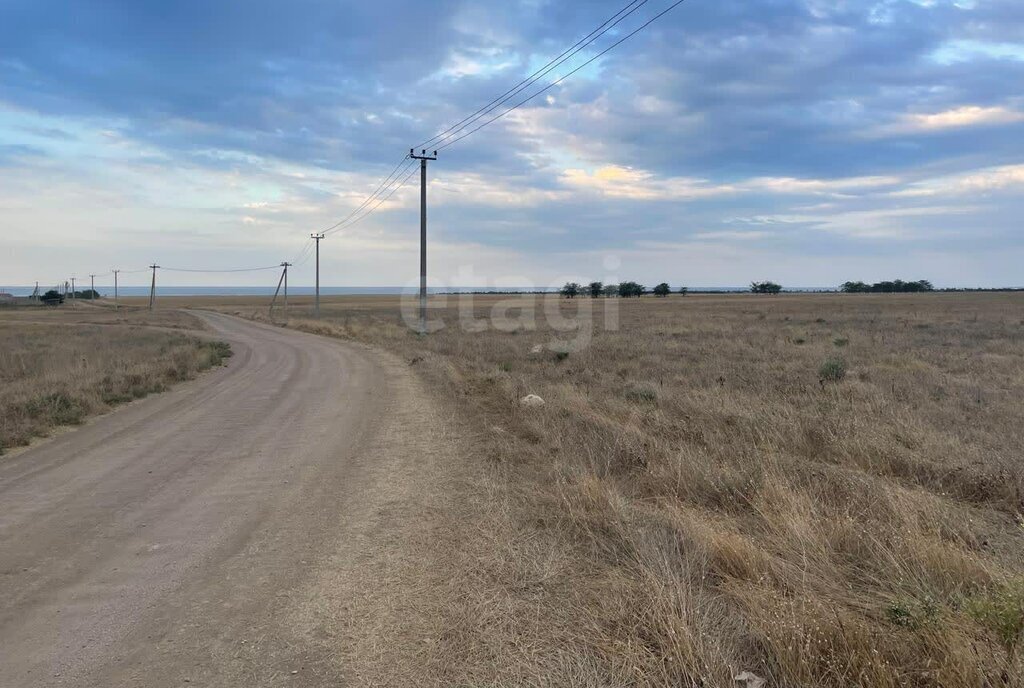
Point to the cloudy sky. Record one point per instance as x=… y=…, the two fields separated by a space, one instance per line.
x=804 y=141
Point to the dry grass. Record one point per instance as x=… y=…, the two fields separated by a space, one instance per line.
x=60 y=366
x=824 y=490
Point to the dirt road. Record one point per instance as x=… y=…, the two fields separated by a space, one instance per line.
x=186 y=538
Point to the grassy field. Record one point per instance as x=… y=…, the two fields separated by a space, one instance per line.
x=59 y=366
x=820 y=489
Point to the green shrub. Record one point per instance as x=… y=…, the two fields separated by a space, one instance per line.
x=911 y=613
x=217 y=352
x=1002 y=611
x=642 y=394
x=840 y=341
x=59 y=408
x=832 y=370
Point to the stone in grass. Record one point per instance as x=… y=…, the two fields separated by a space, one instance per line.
x=531 y=401
x=749 y=680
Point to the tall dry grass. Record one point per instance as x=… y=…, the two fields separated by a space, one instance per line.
x=823 y=490
x=57 y=368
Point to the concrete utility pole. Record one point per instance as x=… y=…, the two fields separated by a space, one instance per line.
x=286 y=266
x=115 y=287
x=423 y=158
x=92 y=287
x=316 y=301
x=282 y=280
x=152 y=287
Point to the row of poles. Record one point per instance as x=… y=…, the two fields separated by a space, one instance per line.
x=282 y=282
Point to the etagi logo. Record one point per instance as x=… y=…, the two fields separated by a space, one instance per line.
x=568 y=315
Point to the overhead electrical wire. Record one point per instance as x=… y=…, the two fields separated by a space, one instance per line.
x=384 y=189
x=303 y=254
x=569 y=53
x=563 y=78
x=455 y=133
x=268 y=267
x=410 y=168
x=405 y=169
x=387 y=181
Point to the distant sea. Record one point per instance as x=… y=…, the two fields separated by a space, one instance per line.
x=335 y=291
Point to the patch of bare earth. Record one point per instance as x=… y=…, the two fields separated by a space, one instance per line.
x=820 y=490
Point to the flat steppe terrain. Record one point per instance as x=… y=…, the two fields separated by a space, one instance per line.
x=819 y=489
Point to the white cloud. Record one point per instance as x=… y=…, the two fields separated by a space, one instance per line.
x=985 y=180
x=628 y=182
x=956 y=118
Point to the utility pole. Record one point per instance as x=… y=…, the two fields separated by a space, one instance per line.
x=423 y=158
x=73 y=292
x=286 y=266
x=152 y=287
x=316 y=302
x=282 y=280
x=115 y=287
x=92 y=287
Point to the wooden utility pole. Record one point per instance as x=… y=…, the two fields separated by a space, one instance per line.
x=73 y=292
x=92 y=287
x=423 y=158
x=316 y=301
x=152 y=287
x=115 y=287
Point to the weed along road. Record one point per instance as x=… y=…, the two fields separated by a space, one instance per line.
x=181 y=539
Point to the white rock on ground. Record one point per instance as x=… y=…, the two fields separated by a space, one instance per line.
x=531 y=400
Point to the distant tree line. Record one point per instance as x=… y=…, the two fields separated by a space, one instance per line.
x=624 y=290
x=887 y=287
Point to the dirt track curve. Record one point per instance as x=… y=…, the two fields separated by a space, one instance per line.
x=185 y=539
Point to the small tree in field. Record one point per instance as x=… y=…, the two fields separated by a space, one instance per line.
x=765 y=287
x=595 y=289
x=611 y=290
x=52 y=298
x=571 y=290
x=631 y=289
x=662 y=289
x=683 y=291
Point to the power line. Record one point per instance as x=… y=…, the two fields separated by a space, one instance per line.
x=269 y=267
x=563 y=78
x=303 y=254
x=604 y=28
x=390 y=184
x=369 y=199
x=411 y=169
